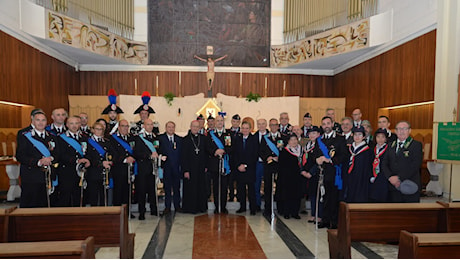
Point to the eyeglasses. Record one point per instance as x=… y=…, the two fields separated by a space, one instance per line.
x=100 y=129
x=402 y=128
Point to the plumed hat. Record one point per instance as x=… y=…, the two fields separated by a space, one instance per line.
x=145 y=104
x=112 y=95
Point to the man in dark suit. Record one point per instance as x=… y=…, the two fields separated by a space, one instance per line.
x=36 y=151
x=146 y=147
x=72 y=148
x=245 y=153
x=235 y=131
x=347 y=125
x=285 y=127
x=171 y=149
x=404 y=159
x=335 y=145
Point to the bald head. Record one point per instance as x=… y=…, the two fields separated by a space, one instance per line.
x=59 y=115
x=194 y=127
x=148 y=125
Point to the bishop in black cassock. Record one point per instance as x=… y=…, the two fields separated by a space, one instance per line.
x=193 y=165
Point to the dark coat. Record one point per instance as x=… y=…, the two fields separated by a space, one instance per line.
x=289 y=184
x=29 y=156
x=378 y=191
x=173 y=153
x=246 y=155
x=358 y=180
x=96 y=168
x=406 y=165
x=211 y=147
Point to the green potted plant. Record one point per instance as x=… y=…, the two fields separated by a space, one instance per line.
x=253 y=97
x=169 y=98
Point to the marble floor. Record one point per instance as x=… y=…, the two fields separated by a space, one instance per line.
x=180 y=235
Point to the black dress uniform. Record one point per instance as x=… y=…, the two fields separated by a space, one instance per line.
x=145 y=180
x=69 y=189
x=52 y=129
x=270 y=167
x=232 y=177
x=86 y=131
x=286 y=130
x=336 y=146
x=119 y=168
x=96 y=191
x=213 y=167
x=33 y=185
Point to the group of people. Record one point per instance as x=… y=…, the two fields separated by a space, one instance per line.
x=69 y=163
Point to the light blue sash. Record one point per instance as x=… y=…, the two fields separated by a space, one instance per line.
x=220 y=145
x=271 y=145
x=39 y=145
x=74 y=143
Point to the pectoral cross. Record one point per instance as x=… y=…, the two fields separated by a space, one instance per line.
x=197 y=150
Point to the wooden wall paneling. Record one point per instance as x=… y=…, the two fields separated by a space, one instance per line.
x=32 y=77
x=420 y=117
x=402 y=75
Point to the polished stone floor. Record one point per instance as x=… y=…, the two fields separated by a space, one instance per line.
x=180 y=235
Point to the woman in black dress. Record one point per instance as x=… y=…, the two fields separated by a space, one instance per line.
x=289 y=190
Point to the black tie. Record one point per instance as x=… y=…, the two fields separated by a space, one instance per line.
x=400 y=146
x=171 y=140
x=42 y=136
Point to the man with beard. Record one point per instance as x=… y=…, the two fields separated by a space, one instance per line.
x=72 y=149
x=332 y=157
x=146 y=146
x=112 y=110
x=193 y=164
x=219 y=147
x=123 y=158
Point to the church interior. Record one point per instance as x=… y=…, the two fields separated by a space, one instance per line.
x=254 y=58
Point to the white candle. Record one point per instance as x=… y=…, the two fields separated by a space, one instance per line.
x=14 y=148
x=241 y=78
x=157 y=81
x=135 y=86
x=284 y=85
x=266 y=82
x=180 y=77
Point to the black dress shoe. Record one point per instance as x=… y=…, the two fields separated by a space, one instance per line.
x=253 y=213
x=323 y=225
x=241 y=210
x=179 y=210
x=216 y=211
x=258 y=209
x=304 y=212
x=296 y=217
x=141 y=217
x=311 y=221
x=287 y=217
x=224 y=211
x=132 y=216
x=153 y=212
x=332 y=226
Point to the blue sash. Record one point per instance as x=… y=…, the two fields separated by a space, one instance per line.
x=148 y=143
x=338 y=168
x=127 y=147
x=37 y=144
x=97 y=146
x=272 y=146
x=74 y=143
x=221 y=146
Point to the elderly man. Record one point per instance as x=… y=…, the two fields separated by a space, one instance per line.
x=219 y=147
x=193 y=164
x=59 y=116
x=285 y=127
x=356 y=115
x=402 y=167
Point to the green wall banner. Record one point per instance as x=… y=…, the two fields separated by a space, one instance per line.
x=448 y=141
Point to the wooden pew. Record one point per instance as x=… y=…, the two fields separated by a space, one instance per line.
x=429 y=245
x=50 y=249
x=453 y=217
x=4 y=224
x=108 y=226
x=382 y=222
